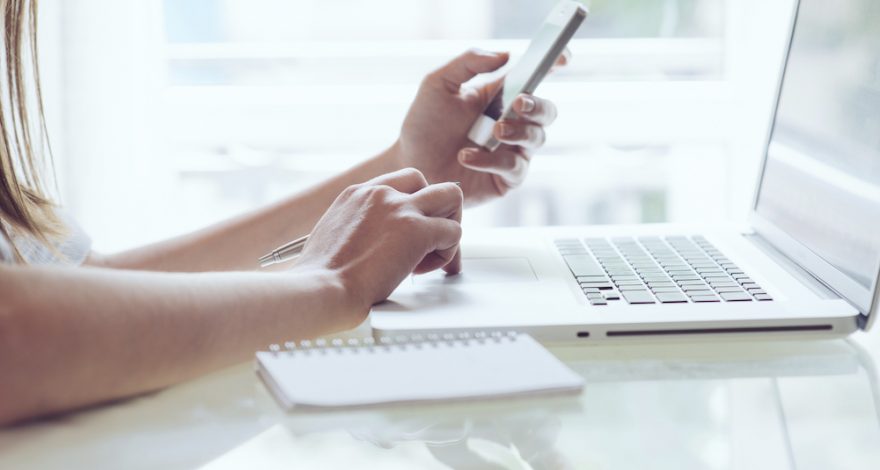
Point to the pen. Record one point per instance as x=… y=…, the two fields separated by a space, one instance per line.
x=284 y=253
x=290 y=250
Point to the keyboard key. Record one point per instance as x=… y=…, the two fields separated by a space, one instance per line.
x=645 y=267
x=620 y=272
x=763 y=297
x=705 y=264
x=661 y=284
x=736 y=297
x=723 y=284
x=729 y=289
x=710 y=271
x=583 y=265
x=638 y=297
x=661 y=264
x=698 y=293
x=671 y=298
x=665 y=289
x=652 y=272
x=696 y=288
x=597 y=285
x=598 y=302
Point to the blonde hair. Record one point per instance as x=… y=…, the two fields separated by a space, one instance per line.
x=25 y=204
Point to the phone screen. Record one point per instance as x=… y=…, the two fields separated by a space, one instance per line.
x=520 y=74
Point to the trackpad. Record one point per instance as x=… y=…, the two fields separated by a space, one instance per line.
x=483 y=270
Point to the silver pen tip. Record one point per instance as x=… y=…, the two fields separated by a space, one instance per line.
x=267 y=261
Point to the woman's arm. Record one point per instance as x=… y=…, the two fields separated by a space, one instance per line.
x=74 y=337
x=433 y=140
x=236 y=244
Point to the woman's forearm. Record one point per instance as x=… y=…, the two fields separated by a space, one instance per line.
x=236 y=244
x=74 y=337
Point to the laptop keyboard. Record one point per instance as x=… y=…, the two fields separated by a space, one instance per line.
x=652 y=270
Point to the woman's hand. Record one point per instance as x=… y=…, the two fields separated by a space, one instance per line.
x=434 y=135
x=377 y=233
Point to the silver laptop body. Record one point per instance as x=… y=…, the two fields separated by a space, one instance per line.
x=806 y=266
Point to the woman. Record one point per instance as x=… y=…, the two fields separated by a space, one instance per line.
x=79 y=328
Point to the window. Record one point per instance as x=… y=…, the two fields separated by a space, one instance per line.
x=215 y=106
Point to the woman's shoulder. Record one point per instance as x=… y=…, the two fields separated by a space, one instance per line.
x=73 y=249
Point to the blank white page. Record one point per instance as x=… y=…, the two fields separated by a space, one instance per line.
x=428 y=371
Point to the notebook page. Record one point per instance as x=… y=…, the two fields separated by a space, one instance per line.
x=432 y=371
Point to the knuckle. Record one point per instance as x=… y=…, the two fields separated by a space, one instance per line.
x=409 y=222
x=350 y=191
x=382 y=191
x=413 y=175
x=430 y=79
x=379 y=194
x=411 y=172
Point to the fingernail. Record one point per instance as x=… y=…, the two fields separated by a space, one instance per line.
x=506 y=130
x=465 y=155
x=528 y=104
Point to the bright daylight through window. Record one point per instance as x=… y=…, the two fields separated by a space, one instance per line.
x=226 y=104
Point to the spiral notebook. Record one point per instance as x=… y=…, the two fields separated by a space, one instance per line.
x=412 y=369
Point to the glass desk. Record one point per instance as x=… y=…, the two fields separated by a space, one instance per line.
x=711 y=405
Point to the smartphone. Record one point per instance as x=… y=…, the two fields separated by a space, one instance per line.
x=535 y=64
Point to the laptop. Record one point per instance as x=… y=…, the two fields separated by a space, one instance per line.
x=807 y=265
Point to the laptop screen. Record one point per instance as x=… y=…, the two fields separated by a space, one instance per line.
x=821 y=180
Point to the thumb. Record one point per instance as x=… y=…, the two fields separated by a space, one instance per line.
x=467 y=66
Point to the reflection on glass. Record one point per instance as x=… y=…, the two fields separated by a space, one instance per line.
x=822 y=178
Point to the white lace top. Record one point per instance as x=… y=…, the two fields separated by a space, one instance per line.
x=73 y=250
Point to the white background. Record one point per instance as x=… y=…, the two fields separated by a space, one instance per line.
x=166 y=116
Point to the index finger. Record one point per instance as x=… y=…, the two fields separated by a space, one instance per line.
x=442 y=201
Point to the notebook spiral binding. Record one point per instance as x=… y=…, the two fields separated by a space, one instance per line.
x=371 y=344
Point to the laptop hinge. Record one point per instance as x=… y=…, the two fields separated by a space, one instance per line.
x=805 y=277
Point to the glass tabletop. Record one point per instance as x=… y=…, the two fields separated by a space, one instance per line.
x=708 y=405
